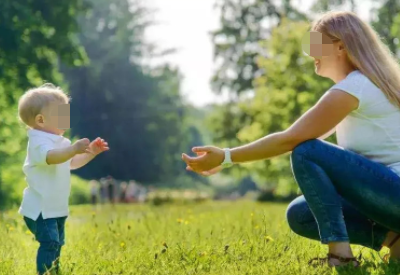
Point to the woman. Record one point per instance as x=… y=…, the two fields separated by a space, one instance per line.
x=351 y=192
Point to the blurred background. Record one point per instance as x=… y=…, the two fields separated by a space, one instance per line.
x=156 y=77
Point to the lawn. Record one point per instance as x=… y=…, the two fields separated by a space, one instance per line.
x=207 y=238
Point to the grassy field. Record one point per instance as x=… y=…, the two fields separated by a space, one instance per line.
x=209 y=238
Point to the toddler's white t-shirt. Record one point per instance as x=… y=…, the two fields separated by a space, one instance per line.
x=48 y=185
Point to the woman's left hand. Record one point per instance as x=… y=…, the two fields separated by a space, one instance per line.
x=207 y=162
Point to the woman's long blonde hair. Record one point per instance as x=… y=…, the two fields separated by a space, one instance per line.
x=365 y=50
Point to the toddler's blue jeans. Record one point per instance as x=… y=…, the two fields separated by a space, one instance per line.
x=50 y=233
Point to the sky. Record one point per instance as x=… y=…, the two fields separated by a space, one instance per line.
x=185 y=25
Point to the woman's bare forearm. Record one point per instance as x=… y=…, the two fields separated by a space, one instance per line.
x=263 y=148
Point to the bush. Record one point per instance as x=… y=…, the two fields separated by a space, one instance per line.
x=271 y=196
x=162 y=197
x=79 y=191
x=12 y=184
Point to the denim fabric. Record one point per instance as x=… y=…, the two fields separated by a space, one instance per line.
x=361 y=230
x=50 y=233
x=347 y=197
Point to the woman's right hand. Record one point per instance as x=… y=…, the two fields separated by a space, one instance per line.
x=204 y=173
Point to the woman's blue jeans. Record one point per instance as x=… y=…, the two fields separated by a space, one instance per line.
x=346 y=197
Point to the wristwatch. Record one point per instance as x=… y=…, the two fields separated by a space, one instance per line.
x=227 y=160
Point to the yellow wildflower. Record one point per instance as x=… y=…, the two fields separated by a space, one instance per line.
x=269 y=238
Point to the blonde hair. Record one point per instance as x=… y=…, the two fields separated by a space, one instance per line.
x=33 y=101
x=365 y=50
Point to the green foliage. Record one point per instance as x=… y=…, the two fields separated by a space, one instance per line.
x=281 y=85
x=13 y=181
x=35 y=35
x=209 y=238
x=326 y=5
x=79 y=191
x=386 y=23
x=283 y=92
x=99 y=47
x=243 y=25
x=137 y=109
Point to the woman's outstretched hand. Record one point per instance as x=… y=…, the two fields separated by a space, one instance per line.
x=207 y=162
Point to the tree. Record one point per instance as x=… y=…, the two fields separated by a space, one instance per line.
x=283 y=88
x=33 y=36
x=285 y=91
x=386 y=23
x=137 y=109
x=243 y=24
x=237 y=46
x=326 y=5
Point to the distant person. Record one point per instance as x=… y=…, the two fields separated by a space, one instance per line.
x=103 y=190
x=50 y=157
x=111 y=189
x=142 y=194
x=94 y=191
x=122 y=193
x=351 y=191
x=132 y=191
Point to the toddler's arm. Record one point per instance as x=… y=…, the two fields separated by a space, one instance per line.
x=96 y=147
x=57 y=156
x=81 y=160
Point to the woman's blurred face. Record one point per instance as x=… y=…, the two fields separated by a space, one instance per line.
x=322 y=49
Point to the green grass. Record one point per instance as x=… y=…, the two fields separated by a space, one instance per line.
x=210 y=238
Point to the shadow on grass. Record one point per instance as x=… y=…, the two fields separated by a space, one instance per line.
x=391 y=268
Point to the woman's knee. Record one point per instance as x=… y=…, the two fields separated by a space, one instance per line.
x=296 y=214
x=305 y=146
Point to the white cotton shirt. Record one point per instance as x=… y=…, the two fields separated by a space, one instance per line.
x=373 y=130
x=48 y=185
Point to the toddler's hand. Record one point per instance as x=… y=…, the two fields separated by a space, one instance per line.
x=98 y=146
x=81 y=146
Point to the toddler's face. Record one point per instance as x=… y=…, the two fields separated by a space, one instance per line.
x=55 y=118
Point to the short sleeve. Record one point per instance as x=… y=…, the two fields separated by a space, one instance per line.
x=353 y=84
x=67 y=142
x=38 y=148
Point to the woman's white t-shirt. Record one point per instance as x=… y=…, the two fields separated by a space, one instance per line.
x=373 y=130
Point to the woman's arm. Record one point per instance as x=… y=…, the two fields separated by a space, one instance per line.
x=331 y=132
x=329 y=111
